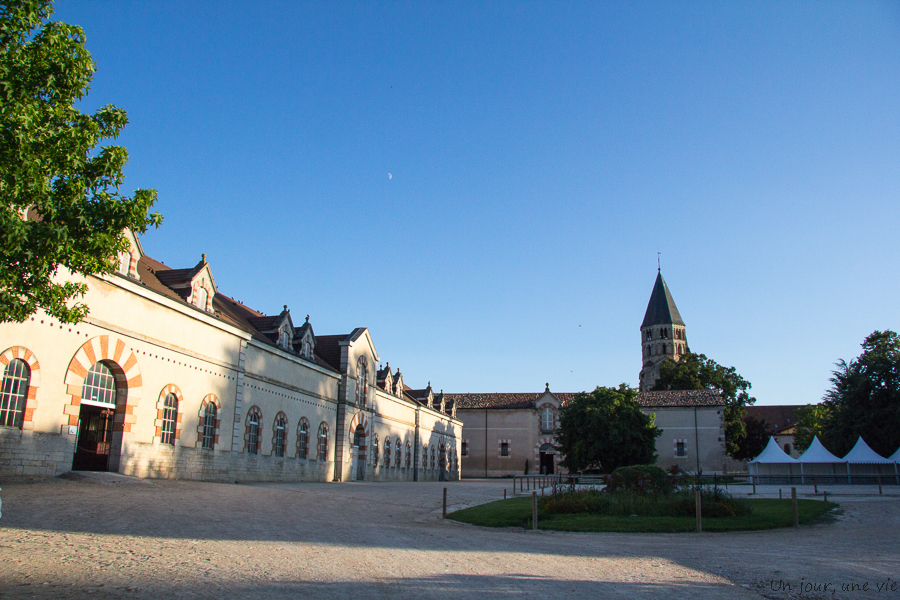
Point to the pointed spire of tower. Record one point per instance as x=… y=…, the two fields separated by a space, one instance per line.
x=661 y=309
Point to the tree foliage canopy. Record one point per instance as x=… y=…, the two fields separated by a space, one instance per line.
x=604 y=430
x=697 y=372
x=52 y=169
x=864 y=399
x=810 y=421
x=755 y=439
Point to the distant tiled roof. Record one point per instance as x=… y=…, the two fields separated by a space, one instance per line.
x=777 y=416
x=527 y=400
x=680 y=398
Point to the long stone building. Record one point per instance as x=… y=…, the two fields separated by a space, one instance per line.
x=168 y=377
x=513 y=433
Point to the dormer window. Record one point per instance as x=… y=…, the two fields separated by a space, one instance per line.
x=124 y=263
x=306 y=349
x=201 y=297
x=285 y=340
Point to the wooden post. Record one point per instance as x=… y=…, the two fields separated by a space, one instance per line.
x=779 y=493
x=794 y=507
x=825 y=494
x=534 y=510
x=815 y=485
x=504 y=493
x=699 y=517
x=444 y=512
x=754 y=487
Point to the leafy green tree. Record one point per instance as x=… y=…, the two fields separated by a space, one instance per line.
x=755 y=439
x=810 y=421
x=864 y=399
x=605 y=430
x=52 y=170
x=697 y=372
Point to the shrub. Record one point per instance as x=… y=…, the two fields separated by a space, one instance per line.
x=716 y=503
x=639 y=479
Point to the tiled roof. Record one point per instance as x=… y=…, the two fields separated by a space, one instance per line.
x=152 y=273
x=527 y=400
x=777 y=416
x=680 y=398
x=328 y=347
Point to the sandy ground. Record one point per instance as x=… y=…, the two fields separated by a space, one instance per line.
x=112 y=536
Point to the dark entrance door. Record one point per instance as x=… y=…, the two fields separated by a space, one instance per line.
x=94 y=438
x=546 y=463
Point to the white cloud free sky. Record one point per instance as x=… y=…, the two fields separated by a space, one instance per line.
x=541 y=155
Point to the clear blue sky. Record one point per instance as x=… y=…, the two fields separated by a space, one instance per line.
x=541 y=154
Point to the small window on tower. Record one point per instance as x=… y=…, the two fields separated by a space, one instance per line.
x=504 y=449
x=679 y=448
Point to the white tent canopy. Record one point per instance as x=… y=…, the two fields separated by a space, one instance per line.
x=863 y=455
x=817 y=453
x=772 y=454
x=895 y=456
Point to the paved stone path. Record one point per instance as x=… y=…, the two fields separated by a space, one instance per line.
x=112 y=536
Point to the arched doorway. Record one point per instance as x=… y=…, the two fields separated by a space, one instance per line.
x=547 y=462
x=358 y=463
x=442 y=463
x=99 y=401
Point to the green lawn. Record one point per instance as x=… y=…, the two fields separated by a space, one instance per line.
x=516 y=512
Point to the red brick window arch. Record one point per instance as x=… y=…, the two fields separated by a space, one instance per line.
x=279 y=429
x=252 y=437
x=323 y=442
x=17 y=388
x=14 y=393
x=210 y=422
x=169 y=408
x=303 y=439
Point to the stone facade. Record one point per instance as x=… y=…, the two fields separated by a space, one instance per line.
x=203 y=387
x=512 y=434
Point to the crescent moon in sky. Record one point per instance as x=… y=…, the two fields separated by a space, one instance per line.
x=390 y=176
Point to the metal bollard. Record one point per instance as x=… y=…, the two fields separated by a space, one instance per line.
x=444 y=511
x=504 y=493
x=779 y=493
x=534 y=510
x=794 y=507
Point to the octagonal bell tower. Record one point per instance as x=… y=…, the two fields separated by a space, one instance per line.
x=663 y=334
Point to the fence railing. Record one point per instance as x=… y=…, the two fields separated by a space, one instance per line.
x=527 y=483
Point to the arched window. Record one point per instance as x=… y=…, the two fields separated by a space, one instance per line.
x=99 y=386
x=323 y=442
x=362 y=384
x=209 y=425
x=376 y=452
x=278 y=443
x=303 y=439
x=398 y=453
x=253 y=433
x=14 y=393
x=170 y=417
x=547 y=419
x=424 y=456
x=433 y=457
x=408 y=454
x=387 y=452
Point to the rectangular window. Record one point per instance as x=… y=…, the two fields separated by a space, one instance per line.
x=679 y=448
x=465 y=448
x=504 y=449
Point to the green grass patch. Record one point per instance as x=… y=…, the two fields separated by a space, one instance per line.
x=765 y=514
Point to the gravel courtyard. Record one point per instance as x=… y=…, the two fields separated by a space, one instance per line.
x=110 y=536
